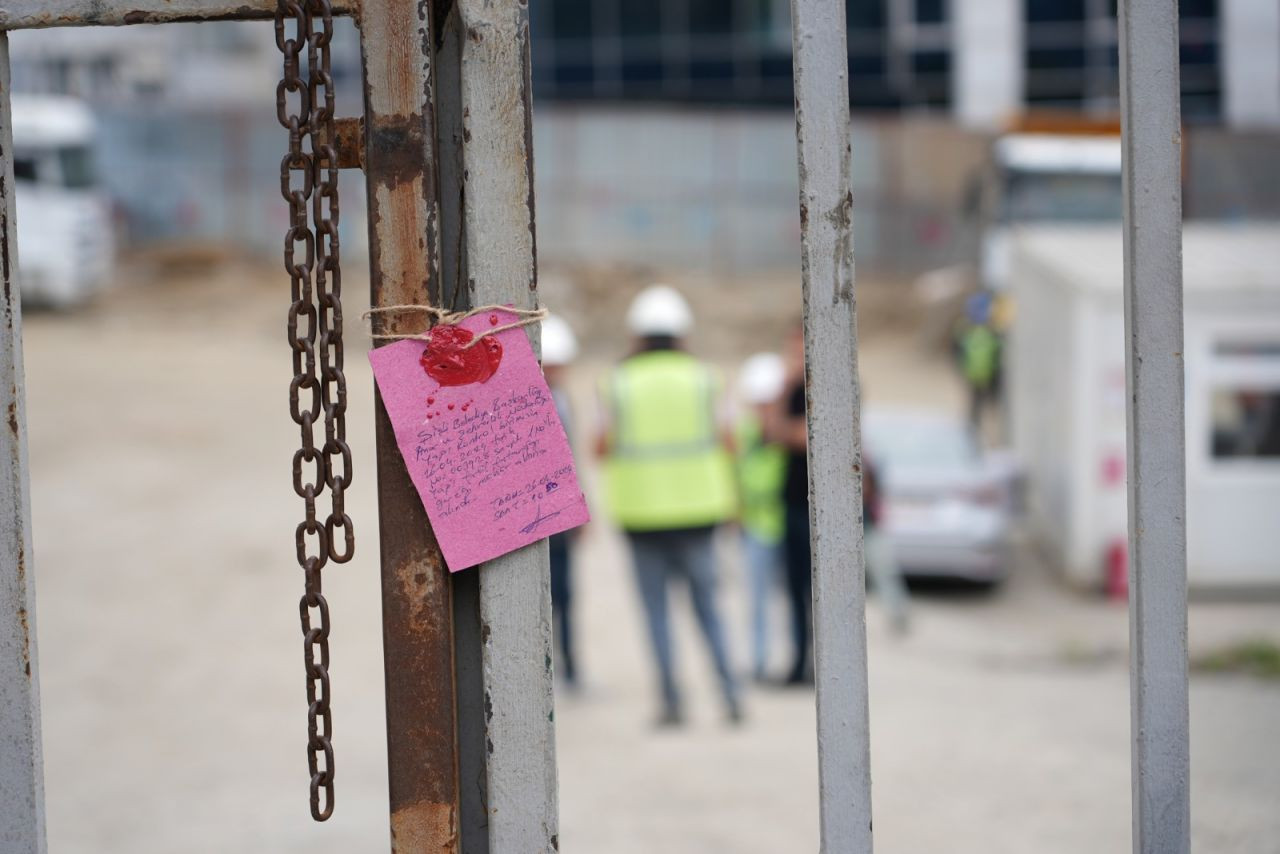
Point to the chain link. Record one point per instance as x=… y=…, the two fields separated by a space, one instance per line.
x=309 y=183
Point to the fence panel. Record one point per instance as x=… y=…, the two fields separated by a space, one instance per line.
x=513 y=600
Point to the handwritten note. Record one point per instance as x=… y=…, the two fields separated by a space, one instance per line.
x=478 y=430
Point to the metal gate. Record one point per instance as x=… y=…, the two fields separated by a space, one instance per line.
x=445 y=145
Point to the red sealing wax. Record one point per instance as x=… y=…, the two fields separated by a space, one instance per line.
x=448 y=360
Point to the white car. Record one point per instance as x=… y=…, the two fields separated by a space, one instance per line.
x=946 y=506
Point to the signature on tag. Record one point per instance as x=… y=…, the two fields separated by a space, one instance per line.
x=538 y=520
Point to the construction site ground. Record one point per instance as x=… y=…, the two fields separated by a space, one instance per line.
x=170 y=656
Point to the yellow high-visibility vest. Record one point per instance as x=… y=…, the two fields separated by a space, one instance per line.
x=762 y=475
x=667 y=468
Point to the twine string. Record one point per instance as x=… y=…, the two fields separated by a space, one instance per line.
x=441 y=316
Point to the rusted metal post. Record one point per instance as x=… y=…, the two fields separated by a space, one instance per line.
x=835 y=447
x=400 y=169
x=1152 y=146
x=515 y=599
x=21 y=769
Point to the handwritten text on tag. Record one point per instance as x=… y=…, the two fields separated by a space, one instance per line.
x=478 y=430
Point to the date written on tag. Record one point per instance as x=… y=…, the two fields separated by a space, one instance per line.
x=478 y=430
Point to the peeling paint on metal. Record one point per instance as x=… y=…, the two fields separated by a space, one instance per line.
x=26 y=629
x=831 y=392
x=501 y=262
x=21 y=772
x=398 y=141
x=401 y=179
x=424 y=827
x=5 y=268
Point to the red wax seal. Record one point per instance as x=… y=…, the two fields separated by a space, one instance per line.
x=448 y=360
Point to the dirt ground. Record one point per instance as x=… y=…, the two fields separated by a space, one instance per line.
x=170 y=666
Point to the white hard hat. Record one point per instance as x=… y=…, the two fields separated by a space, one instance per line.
x=559 y=344
x=659 y=310
x=761 y=378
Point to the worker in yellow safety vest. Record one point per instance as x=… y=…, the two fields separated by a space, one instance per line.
x=669 y=478
x=979 y=342
x=762 y=471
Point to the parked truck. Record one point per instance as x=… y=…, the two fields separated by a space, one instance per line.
x=1066 y=370
x=1040 y=178
x=66 y=246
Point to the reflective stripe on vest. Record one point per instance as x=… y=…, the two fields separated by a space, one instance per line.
x=628 y=438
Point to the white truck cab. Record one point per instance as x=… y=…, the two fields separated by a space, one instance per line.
x=1042 y=179
x=66 y=247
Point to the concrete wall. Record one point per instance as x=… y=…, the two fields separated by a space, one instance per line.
x=708 y=191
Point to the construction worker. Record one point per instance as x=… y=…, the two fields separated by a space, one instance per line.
x=559 y=349
x=762 y=469
x=979 y=351
x=787 y=426
x=669 y=478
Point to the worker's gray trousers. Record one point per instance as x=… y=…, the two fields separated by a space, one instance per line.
x=689 y=554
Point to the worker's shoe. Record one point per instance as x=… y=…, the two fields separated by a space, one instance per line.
x=671 y=717
x=734 y=714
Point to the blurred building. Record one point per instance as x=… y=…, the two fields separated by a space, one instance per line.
x=664 y=132
x=982 y=61
x=213 y=64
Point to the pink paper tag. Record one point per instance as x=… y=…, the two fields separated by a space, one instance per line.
x=479 y=431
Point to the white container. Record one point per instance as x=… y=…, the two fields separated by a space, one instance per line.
x=1066 y=393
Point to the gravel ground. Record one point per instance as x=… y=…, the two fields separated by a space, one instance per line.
x=171 y=675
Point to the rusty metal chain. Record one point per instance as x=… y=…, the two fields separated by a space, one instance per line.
x=309 y=183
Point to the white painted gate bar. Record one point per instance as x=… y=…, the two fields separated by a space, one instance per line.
x=1149 y=100
x=835 y=455
x=21 y=769
x=515 y=590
